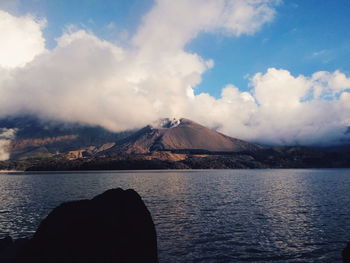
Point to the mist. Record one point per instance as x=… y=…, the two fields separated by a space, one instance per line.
x=92 y=81
x=6 y=135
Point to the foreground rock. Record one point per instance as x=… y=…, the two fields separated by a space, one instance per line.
x=346 y=254
x=115 y=226
x=9 y=248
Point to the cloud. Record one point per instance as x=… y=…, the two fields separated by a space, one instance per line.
x=301 y=109
x=6 y=135
x=281 y=109
x=21 y=39
x=163 y=30
x=93 y=81
x=88 y=80
x=319 y=53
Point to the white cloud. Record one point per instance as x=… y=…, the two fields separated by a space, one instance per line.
x=88 y=80
x=291 y=112
x=21 y=39
x=281 y=108
x=319 y=53
x=270 y=89
x=6 y=135
x=331 y=84
x=170 y=25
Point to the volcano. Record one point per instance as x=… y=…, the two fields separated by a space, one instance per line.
x=180 y=134
x=164 y=144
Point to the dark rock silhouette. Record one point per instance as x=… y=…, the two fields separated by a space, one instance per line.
x=6 y=249
x=9 y=248
x=115 y=226
x=5 y=242
x=346 y=254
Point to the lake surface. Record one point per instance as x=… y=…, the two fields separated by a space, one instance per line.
x=206 y=215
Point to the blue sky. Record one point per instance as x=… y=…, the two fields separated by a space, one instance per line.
x=306 y=36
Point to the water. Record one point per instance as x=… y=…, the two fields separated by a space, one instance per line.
x=207 y=216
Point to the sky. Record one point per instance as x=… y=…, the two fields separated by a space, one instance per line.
x=268 y=71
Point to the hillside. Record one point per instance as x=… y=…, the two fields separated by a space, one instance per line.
x=36 y=138
x=180 y=135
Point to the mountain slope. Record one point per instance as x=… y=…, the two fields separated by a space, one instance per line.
x=180 y=134
x=38 y=138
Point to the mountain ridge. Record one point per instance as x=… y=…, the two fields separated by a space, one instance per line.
x=164 y=144
x=41 y=138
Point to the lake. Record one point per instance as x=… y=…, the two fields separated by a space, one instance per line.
x=206 y=215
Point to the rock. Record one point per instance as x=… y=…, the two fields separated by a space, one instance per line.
x=346 y=254
x=21 y=242
x=6 y=250
x=115 y=226
x=5 y=243
x=9 y=249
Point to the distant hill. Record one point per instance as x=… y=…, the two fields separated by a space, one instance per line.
x=41 y=138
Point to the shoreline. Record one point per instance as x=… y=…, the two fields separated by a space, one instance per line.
x=169 y=170
x=12 y=171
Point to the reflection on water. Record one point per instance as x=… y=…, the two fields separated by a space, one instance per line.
x=207 y=216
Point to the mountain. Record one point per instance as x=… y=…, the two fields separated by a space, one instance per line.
x=36 y=138
x=180 y=135
x=165 y=144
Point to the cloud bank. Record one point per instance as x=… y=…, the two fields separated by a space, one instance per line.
x=6 y=135
x=92 y=81
x=21 y=39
